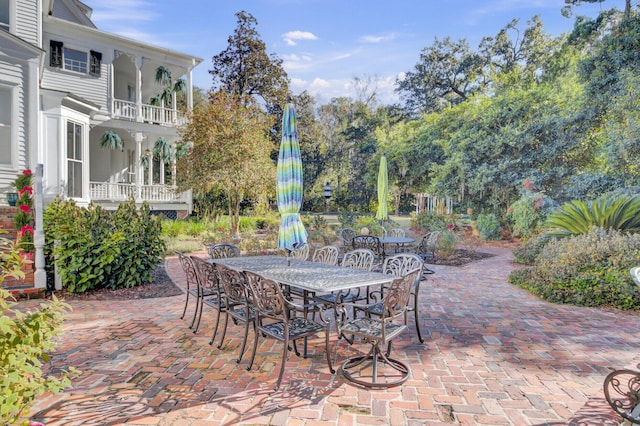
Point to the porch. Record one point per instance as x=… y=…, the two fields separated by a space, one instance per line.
x=160 y=197
x=160 y=115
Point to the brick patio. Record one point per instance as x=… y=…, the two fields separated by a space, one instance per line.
x=493 y=355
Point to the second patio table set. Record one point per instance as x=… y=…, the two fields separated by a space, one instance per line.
x=312 y=277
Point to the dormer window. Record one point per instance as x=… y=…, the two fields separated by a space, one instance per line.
x=5 y=11
x=74 y=60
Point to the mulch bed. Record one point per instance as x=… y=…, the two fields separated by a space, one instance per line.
x=460 y=257
x=160 y=286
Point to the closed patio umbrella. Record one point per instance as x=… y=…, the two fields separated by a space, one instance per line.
x=383 y=189
x=291 y=234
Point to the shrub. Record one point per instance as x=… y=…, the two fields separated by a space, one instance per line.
x=488 y=227
x=528 y=253
x=428 y=222
x=578 y=217
x=97 y=249
x=446 y=244
x=529 y=213
x=25 y=339
x=589 y=270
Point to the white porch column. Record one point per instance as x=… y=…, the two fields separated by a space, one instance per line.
x=139 y=89
x=190 y=90
x=139 y=137
x=40 y=275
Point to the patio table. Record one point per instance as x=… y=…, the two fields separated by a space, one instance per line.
x=397 y=242
x=310 y=276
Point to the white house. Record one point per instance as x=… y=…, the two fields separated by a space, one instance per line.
x=63 y=84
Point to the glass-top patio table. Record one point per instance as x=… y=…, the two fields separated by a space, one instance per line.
x=310 y=276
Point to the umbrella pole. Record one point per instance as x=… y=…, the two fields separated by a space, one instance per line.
x=288 y=257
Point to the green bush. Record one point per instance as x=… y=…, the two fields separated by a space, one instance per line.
x=446 y=245
x=528 y=253
x=529 y=213
x=95 y=249
x=589 y=270
x=25 y=339
x=428 y=222
x=488 y=227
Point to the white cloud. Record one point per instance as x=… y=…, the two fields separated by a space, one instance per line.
x=377 y=39
x=292 y=37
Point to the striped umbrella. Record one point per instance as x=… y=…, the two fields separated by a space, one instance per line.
x=291 y=234
x=383 y=189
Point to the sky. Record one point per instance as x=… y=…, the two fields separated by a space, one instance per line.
x=326 y=44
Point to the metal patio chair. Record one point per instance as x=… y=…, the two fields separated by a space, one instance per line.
x=379 y=331
x=276 y=319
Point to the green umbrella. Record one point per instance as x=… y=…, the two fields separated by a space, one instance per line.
x=383 y=190
x=291 y=234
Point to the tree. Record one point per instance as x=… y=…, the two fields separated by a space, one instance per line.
x=568 y=9
x=245 y=69
x=447 y=73
x=511 y=48
x=230 y=151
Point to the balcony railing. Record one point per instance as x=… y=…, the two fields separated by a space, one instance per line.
x=150 y=113
x=105 y=191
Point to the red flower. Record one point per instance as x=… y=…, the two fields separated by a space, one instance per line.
x=528 y=184
x=510 y=209
x=27 y=172
x=26 y=229
x=25 y=189
x=25 y=208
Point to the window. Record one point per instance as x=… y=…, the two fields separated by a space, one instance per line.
x=5 y=9
x=74 y=159
x=55 y=54
x=95 y=60
x=5 y=124
x=74 y=60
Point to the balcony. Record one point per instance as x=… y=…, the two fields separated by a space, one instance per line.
x=126 y=110
x=105 y=191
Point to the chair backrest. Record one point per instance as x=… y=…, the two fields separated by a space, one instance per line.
x=266 y=297
x=401 y=264
x=359 y=259
x=397 y=295
x=347 y=235
x=327 y=255
x=189 y=269
x=233 y=285
x=369 y=242
x=206 y=273
x=428 y=243
x=396 y=232
x=635 y=274
x=301 y=253
x=223 y=250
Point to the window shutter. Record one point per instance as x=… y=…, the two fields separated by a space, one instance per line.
x=55 y=54
x=95 y=60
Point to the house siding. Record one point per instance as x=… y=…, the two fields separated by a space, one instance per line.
x=12 y=75
x=88 y=87
x=27 y=21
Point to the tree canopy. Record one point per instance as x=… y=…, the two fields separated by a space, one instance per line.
x=229 y=153
x=245 y=68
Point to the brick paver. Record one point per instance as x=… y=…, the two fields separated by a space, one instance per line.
x=493 y=355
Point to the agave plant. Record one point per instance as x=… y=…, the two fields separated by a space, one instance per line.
x=577 y=217
x=111 y=140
